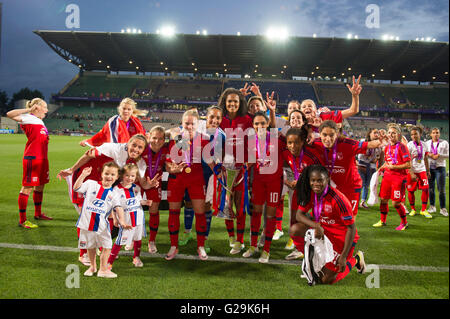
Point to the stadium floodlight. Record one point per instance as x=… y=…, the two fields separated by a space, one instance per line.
x=355 y=36
x=349 y=36
x=428 y=39
x=238 y=33
x=314 y=35
x=277 y=34
x=197 y=32
x=167 y=31
x=139 y=31
x=122 y=31
x=433 y=40
x=385 y=37
x=397 y=38
x=134 y=30
x=128 y=30
x=417 y=39
x=204 y=32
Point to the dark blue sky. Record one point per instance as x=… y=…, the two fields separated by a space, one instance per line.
x=26 y=60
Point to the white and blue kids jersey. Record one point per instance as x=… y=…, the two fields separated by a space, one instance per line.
x=97 y=206
x=130 y=200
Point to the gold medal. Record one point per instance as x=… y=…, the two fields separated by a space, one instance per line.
x=187 y=170
x=419 y=161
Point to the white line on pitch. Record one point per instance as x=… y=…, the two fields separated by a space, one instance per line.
x=221 y=259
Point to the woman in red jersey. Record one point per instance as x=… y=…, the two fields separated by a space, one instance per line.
x=397 y=161
x=186 y=173
x=338 y=155
x=331 y=217
x=234 y=123
x=35 y=159
x=121 y=127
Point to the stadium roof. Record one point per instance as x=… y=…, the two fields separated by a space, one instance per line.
x=297 y=56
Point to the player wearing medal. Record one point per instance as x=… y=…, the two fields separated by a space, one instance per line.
x=35 y=158
x=438 y=155
x=186 y=173
x=397 y=161
x=331 y=216
x=419 y=172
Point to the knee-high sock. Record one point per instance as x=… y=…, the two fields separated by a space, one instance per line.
x=37 y=199
x=208 y=216
x=270 y=229
x=188 y=218
x=255 y=225
x=137 y=248
x=240 y=228
x=23 y=202
x=229 y=224
x=412 y=200
x=351 y=262
x=424 y=199
x=153 y=223
x=402 y=213
x=114 y=252
x=174 y=226
x=200 y=228
x=299 y=242
x=384 y=209
x=279 y=214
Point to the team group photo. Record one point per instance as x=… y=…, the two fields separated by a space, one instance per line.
x=271 y=150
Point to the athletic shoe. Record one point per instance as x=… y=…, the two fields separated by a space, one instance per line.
x=28 y=225
x=152 y=247
x=173 y=251
x=432 y=209
x=202 y=253
x=84 y=260
x=264 y=259
x=186 y=238
x=413 y=212
x=89 y=272
x=237 y=247
x=42 y=217
x=278 y=233
x=289 y=245
x=379 y=224
x=402 y=226
x=137 y=262
x=444 y=212
x=232 y=241
x=364 y=205
x=250 y=252
x=294 y=255
x=106 y=274
x=426 y=214
x=262 y=240
x=360 y=264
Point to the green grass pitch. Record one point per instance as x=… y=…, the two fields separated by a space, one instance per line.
x=26 y=273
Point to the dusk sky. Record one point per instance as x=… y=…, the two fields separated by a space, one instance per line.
x=26 y=61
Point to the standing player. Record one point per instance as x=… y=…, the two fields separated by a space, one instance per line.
x=393 y=184
x=121 y=127
x=419 y=172
x=331 y=216
x=35 y=159
x=437 y=160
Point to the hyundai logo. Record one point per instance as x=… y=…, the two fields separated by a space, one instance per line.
x=131 y=202
x=98 y=203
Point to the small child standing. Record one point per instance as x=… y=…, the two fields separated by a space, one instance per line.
x=130 y=199
x=100 y=200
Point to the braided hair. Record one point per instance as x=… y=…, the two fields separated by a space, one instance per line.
x=303 y=184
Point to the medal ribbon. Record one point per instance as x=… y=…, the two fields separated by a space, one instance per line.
x=318 y=204
x=258 y=151
x=297 y=171
x=333 y=158
x=419 y=149
x=150 y=161
x=394 y=158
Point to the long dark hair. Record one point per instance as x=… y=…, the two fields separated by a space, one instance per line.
x=305 y=121
x=303 y=185
x=302 y=133
x=242 y=102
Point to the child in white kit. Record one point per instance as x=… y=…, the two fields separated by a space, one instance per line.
x=130 y=199
x=100 y=200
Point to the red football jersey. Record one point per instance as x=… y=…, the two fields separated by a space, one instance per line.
x=336 y=215
x=273 y=156
x=151 y=166
x=236 y=142
x=293 y=161
x=37 y=135
x=344 y=172
x=333 y=116
x=396 y=155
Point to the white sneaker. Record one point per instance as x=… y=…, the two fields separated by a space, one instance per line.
x=277 y=235
x=443 y=212
x=106 y=274
x=289 y=245
x=202 y=253
x=432 y=209
x=152 y=247
x=237 y=247
x=294 y=255
x=250 y=252
x=264 y=259
x=137 y=262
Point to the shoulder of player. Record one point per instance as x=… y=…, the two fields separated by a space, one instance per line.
x=339 y=199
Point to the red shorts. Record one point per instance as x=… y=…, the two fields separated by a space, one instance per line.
x=421 y=182
x=267 y=191
x=393 y=187
x=153 y=194
x=35 y=171
x=177 y=184
x=353 y=195
x=332 y=265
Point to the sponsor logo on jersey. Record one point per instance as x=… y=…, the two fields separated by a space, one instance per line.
x=98 y=203
x=131 y=201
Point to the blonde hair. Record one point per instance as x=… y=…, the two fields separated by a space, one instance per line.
x=129 y=167
x=130 y=101
x=158 y=128
x=33 y=102
x=191 y=112
x=311 y=101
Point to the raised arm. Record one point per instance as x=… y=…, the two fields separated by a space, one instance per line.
x=355 y=90
x=86 y=157
x=16 y=114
